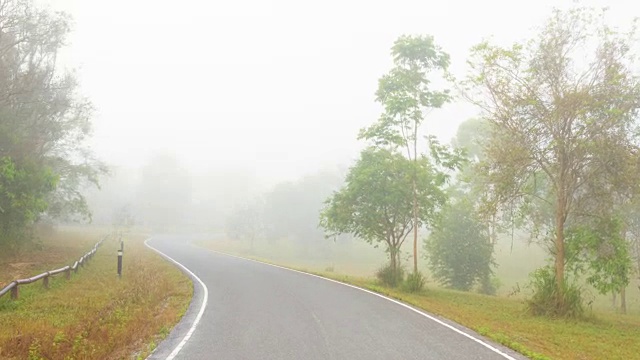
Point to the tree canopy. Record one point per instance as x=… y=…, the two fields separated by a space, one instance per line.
x=375 y=203
x=408 y=95
x=562 y=110
x=459 y=250
x=43 y=124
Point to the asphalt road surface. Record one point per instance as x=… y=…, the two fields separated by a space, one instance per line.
x=258 y=311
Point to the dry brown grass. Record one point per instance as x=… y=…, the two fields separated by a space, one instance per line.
x=95 y=315
x=51 y=249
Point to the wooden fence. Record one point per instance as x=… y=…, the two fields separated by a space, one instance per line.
x=13 y=286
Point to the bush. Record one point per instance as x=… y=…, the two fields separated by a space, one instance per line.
x=458 y=249
x=489 y=285
x=414 y=282
x=390 y=277
x=546 y=301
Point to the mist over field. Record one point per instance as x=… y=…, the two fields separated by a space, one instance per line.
x=240 y=119
x=476 y=160
x=353 y=137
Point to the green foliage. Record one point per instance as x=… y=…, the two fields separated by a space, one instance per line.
x=459 y=252
x=562 y=112
x=601 y=252
x=414 y=283
x=489 y=285
x=546 y=300
x=43 y=124
x=23 y=197
x=376 y=202
x=390 y=276
x=406 y=93
x=471 y=136
x=34 y=351
x=631 y=217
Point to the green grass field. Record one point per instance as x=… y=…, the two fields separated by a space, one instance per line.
x=604 y=334
x=95 y=315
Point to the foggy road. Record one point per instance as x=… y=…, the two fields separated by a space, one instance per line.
x=257 y=311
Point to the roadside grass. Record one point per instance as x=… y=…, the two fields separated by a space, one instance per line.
x=94 y=315
x=52 y=249
x=602 y=335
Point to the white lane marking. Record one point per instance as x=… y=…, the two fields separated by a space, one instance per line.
x=471 y=337
x=205 y=299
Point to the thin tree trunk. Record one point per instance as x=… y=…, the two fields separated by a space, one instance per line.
x=638 y=260
x=614 y=300
x=560 y=252
x=623 y=300
x=492 y=230
x=415 y=228
x=393 y=258
x=415 y=198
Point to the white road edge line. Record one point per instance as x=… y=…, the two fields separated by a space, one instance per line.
x=488 y=346
x=205 y=299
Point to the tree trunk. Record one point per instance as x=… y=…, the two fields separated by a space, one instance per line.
x=492 y=230
x=560 y=253
x=415 y=226
x=393 y=258
x=614 y=299
x=638 y=260
x=623 y=300
x=415 y=197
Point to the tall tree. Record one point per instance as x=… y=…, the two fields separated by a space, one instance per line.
x=44 y=122
x=562 y=110
x=471 y=136
x=471 y=139
x=601 y=252
x=247 y=222
x=375 y=202
x=407 y=96
x=630 y=217
x=633 y=227
x=292 y=208
x=165 y=193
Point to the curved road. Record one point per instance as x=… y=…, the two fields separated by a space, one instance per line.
x=258 y=311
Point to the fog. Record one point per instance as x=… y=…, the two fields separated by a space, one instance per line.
x=277 y=89
x=205 y=109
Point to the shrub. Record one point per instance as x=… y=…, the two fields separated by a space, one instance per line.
x=459 y=251
x=545 y=300
x=414 y=282
x=389 y=276
x=489 y=285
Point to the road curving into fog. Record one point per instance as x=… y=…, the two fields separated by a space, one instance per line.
x=247 y=310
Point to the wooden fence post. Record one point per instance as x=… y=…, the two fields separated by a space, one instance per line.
x=13 y=287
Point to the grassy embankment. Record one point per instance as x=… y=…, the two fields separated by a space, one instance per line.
x=94 y=315
x=602 y=335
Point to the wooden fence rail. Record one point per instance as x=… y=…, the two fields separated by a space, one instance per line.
x=13 y=286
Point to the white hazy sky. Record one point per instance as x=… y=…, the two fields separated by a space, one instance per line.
x=279 y=87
